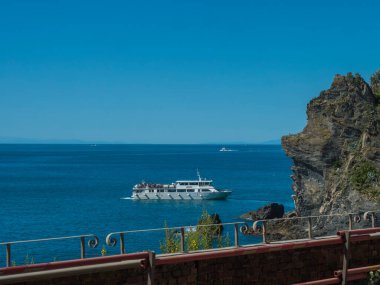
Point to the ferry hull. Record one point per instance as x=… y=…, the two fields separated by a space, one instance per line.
x=221 y=195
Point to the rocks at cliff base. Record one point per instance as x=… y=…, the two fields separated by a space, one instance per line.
x=271 y=211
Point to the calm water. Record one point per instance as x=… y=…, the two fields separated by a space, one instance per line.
x=61 y=190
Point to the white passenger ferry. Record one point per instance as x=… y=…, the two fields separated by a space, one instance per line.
x=200 y=189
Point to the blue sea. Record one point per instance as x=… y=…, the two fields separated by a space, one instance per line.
x=63 y=190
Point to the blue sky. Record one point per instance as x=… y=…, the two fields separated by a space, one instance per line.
x=175 y=71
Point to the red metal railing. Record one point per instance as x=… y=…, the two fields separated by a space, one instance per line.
x=141 y=256
x=345 y=275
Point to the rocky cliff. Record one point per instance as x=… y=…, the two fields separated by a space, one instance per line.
x=337 y=155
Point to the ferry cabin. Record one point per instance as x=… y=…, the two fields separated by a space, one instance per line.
x=194 y=186
x=184 y=186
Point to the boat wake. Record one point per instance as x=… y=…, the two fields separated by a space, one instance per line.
x=126 y=198
x=227 y=149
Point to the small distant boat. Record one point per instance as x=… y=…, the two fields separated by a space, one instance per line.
x=226 y=149
x=200 y=189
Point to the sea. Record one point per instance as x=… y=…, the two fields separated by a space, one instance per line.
x=57 y=190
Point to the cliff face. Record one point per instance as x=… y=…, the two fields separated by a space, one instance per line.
x=337 y=156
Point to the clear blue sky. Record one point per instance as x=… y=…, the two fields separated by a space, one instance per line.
x=175 y=71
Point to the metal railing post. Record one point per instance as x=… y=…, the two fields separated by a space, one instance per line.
x=8 y=258
x=152 y=261
x=346 y=257
x=182 y=245
x=350 y=221
x=236 y=232
x=82 y=248
x=310 y=228
x=373 y=218
x=264 y=231
x=122 y=245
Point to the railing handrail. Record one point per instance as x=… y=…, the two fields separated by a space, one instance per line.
x=239 y=223
x=173 y=228
x=47 y=239
x=92 y=243
x=315 y=216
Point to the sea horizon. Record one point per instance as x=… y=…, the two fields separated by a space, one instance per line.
x=124 y=143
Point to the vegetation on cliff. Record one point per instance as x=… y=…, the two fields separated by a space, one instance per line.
x=375 y=85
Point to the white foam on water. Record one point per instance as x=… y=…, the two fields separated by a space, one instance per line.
x=126 y=198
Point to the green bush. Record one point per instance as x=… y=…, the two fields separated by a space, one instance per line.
x=103 y=252
x=197 y=238
x=364 y=173
x=171 y=242
x=364 y=178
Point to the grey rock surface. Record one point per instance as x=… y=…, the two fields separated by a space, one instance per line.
x=336 y=158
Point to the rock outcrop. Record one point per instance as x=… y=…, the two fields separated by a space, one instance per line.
x=271 y=211
x=337 y=155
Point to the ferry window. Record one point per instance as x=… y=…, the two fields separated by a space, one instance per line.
x=194 y=183
x=205 y=190
x=182 y=183
x=171 y=190
x=190 y=190
x=181 y=190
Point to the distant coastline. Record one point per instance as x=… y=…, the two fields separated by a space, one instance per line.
x=15 y=140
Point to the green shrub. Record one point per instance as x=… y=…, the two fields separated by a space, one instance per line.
x=364 y=173
x=171 y=242
x=103 y=252
x=196 y=238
